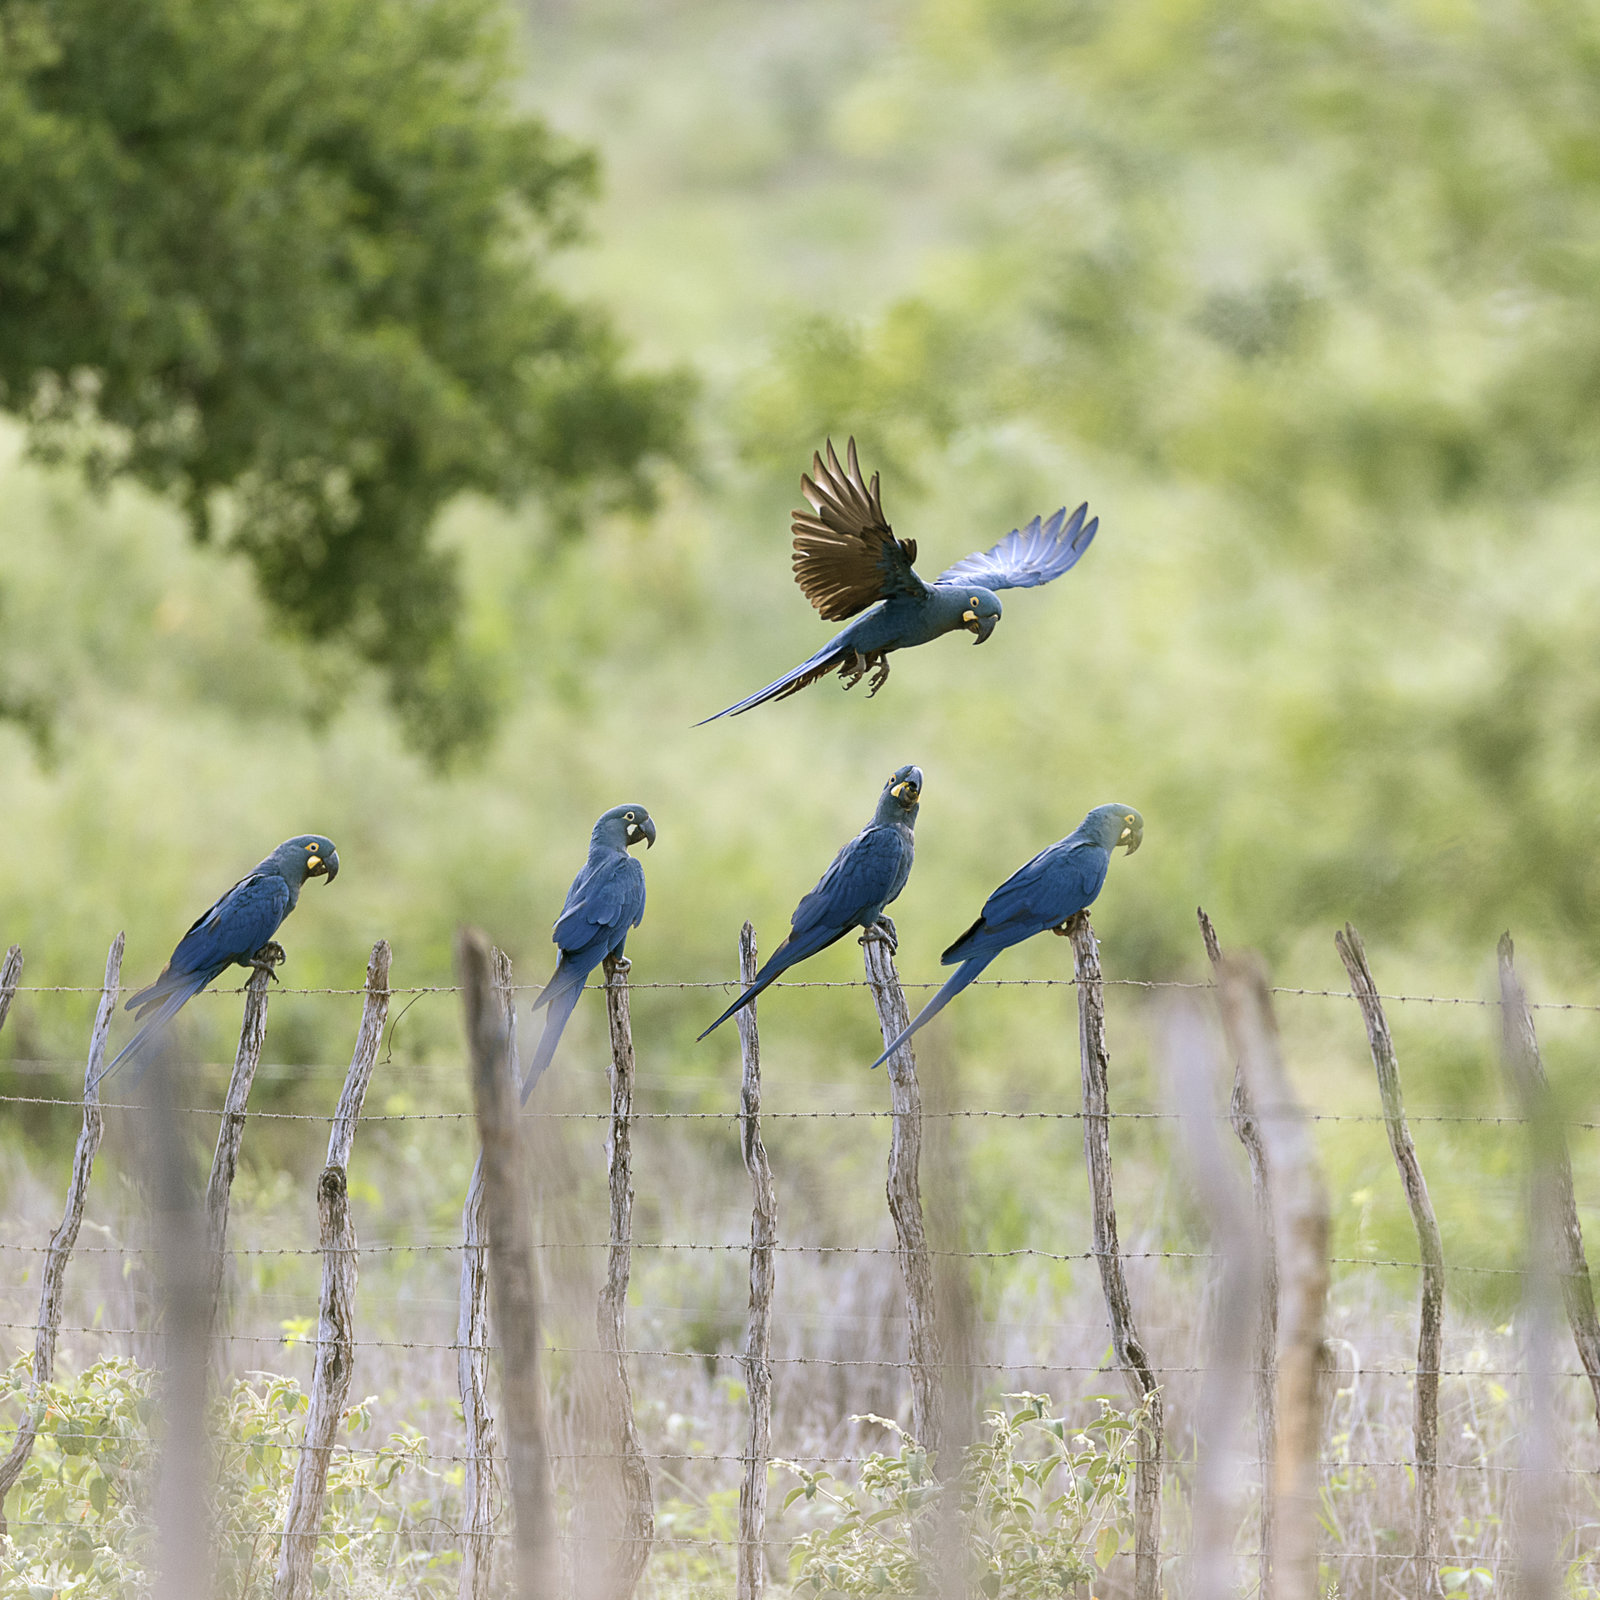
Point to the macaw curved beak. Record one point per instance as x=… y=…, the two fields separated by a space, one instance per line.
x=982 y=627
x=645 y=830
x=324 y=866
x=907 y=792
x=1132 y=838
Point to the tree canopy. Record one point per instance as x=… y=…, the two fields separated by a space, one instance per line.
x=282 y=260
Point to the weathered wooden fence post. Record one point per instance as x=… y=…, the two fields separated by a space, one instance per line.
x=65 y=1237
x=1129 y=1347
x=10 y=976
x=330 y=1384
x=472 y=1347
x=905 y=1197
x=512 y=1281
x=757 y=1358
x=1247 y=1129
x=1550 y=1240
x=1192 y=1074
x=1520 y=1053
x=1430 y=1332
x=1300 y=1232
x=185 y=1552
x=230 y=1135
x=634 y=1524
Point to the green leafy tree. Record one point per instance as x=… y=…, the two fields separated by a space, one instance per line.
x=282 y=260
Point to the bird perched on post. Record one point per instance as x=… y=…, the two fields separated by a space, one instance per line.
x=865 y=877
x=1055 y=886
x=605 y=902
x=238 y=929
x=848 y=563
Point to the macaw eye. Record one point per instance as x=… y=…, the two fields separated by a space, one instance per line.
x=973 y=601
x=627 y=816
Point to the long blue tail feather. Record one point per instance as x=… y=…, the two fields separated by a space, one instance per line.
x=953 y=985
x=159 y=1018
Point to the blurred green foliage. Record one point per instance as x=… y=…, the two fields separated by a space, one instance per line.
x=284 y=261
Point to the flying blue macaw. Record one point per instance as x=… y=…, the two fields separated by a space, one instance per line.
x=864 y=878
x=238 y=929
x=605 y=902
x=848 y=561
x=1056 y=885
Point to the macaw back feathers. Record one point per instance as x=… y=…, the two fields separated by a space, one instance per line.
x=229 y=932
x=865 y=877
x=1062 y=880
x=604 y=903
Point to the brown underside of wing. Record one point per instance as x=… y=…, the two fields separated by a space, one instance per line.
x=840 y=545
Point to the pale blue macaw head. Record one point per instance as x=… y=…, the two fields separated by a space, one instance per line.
x=307 y=855
x=981 y=612
x=623 y=827
x=1113 y=825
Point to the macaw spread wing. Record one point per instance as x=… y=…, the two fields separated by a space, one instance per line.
x=1028 y=556
x=845 y=554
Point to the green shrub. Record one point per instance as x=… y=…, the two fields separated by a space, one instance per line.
x=78 y=1515
x=1038 y=1507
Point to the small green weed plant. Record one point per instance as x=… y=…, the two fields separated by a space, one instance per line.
x=1038 y=1507
x=78 y=1516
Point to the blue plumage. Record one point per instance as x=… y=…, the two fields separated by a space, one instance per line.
x=849 y=564
x=1057 y=884
x=604 y=904
x=864 y=878
x=231 y=932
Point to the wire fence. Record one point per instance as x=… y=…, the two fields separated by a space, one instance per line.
x=1480 y=1405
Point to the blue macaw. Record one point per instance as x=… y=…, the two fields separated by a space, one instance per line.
x=848 y=561
x=238 y=929
x=865 y=877
x=1055 y=886
x=605 y=902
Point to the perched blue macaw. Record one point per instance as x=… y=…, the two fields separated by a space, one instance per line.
x=1055 y=886
x=238 y=929
x=605 y=902
x=848 y=561
x=865 y=877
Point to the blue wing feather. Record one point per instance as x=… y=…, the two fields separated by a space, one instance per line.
x=1030 y=555
x=860 y=881
x=233 y=929
x=606 y=900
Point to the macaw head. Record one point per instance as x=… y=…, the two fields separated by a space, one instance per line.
x=307 y=855
x=624 y=826
x=980 y=611
x=901 y=794
x=1112 y=825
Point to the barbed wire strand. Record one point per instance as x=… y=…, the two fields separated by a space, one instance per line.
x=730 y=986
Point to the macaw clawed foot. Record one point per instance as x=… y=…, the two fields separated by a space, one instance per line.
x=883 y=929
x=268 y=958
x=1069 y=927
x=854 y=669
x=618 y=966
x=880 y=674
